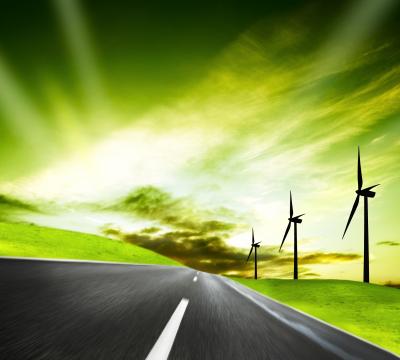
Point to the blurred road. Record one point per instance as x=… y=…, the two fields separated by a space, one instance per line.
x=71 y=310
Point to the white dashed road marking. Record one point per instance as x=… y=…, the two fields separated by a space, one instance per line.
x=163 y=345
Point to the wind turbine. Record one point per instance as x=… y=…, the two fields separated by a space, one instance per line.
x=296 y=220
x=255 y=246
x=366 y=193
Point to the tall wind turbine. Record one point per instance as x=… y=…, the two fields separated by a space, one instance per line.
x=296 y=220
x=255 y=246
x=366 y=193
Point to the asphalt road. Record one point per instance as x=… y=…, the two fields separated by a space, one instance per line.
x=61 y=310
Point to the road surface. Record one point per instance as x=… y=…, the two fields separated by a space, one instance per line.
x=67 y=310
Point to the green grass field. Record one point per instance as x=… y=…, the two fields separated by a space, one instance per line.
x=369 y=311
x=35 y=241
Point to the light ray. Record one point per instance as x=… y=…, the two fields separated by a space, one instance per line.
x=20 y=113
x=352 y=32
x=81 y=48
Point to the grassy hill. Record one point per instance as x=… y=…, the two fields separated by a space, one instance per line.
x=369 y=311
x=36 y=241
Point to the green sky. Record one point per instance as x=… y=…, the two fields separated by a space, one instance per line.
x=179 y=126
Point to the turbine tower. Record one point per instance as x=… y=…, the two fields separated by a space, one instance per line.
x=366 y=193
x=296 y=220
x=255 y=246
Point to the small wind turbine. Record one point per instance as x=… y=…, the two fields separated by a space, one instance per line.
x=296 y=220
x=366 y=193
x=255 y=246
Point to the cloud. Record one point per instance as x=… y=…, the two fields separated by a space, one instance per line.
x=394 y=285
x=150 y=202
x=14 y=203
x=151 y=230
x=294 y=130
x=389 y=243
x=208 y=251
x=9 y=203
x=11 y=206
x=198 y=237
x=328 y=258
x=111 y=232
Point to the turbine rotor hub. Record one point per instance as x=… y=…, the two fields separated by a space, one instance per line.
x=365 y=193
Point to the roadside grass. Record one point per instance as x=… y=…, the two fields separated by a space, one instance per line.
x=25 y=240
x=369 y=311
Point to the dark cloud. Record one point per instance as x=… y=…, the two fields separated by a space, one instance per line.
x=8 y=202
x=151 y=230
x=10 y=206
x=198 y=238
x=153 y=203
x=111 y=232
x=208 y=251
x=393 y=285
x=388 y=243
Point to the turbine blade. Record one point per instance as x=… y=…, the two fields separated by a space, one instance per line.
x=353 y=210
x=371 y=187
x=252 y=235
x=251 y=249
x=298 y=216
x=284 y=237
x=291 y=205
x=359 y=173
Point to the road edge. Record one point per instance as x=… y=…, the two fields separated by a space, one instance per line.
x=26 y=258
x=229 y=282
